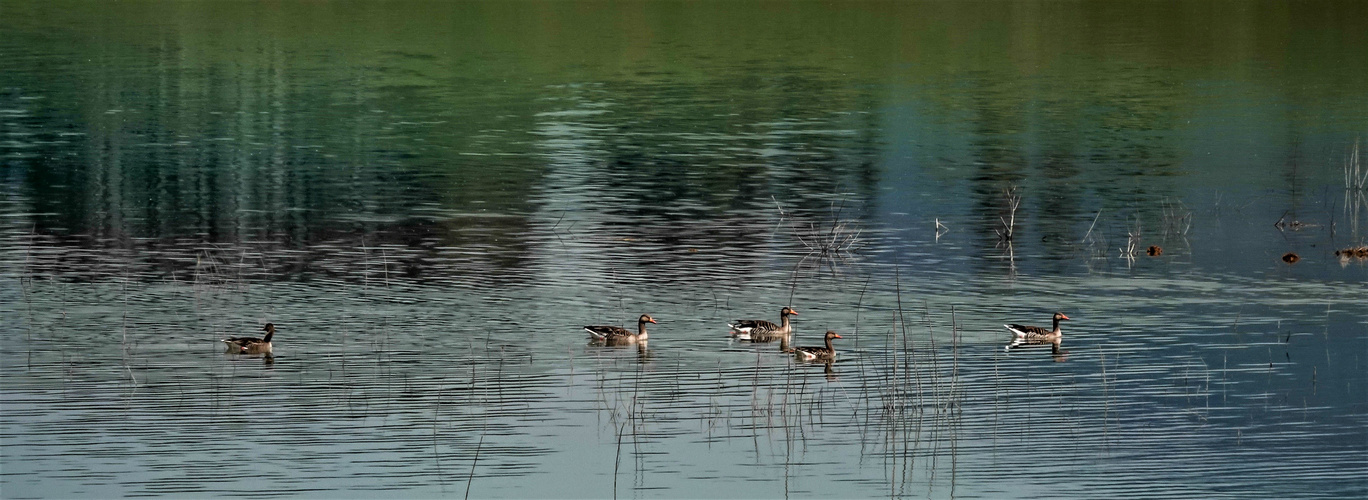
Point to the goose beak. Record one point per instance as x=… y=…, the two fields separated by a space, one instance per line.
x=837 y=337
x=1064 y=317
x=793 y=312
x=653 y=321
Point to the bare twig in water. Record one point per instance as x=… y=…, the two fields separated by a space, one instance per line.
x=1090 y=228
x=1009 y=223
x=1355 y=176
x=555 y=231
x=124 y=344
x=436 y=455
x=26 y=282
x=1177 y=218
x=1132 y=242
x=782 y=216
x=830 y=240
x=617 y=461
x=622 y=309
x=1355 y=190
x=471 y=477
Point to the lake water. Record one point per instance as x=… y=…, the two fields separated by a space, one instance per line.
x=431 y=199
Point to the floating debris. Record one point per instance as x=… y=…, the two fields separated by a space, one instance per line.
x=1355 y=252
x=1291 y=258
x=1294 y=225
x=1155 y=251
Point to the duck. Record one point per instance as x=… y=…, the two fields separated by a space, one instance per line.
x=252 y=345
x=614 y=334
x=814 y=353
x=753 y=329
x=1037 y=332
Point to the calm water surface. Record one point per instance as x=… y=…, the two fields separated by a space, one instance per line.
x=431 y=199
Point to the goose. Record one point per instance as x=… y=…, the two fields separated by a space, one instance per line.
x=615 y=334
x=812 y=353
x=751 y=329
x=252 y=345
x=1036 y=332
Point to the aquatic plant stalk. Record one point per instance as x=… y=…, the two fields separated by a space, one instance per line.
x=470 y=478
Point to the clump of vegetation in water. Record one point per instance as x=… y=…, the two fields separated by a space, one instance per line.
x=1353 y=252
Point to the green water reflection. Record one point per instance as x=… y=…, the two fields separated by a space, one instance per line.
x=239 y=121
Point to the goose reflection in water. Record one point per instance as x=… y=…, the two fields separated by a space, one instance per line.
x=267 y=359
x=828 y=367
x=643 y=352
x=782 y=338
x=1060 y=355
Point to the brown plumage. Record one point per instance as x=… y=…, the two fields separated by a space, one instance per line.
x=252 y=345
x=613 y=334
x=1036 y=332
x=754 y=329
x=811 y=353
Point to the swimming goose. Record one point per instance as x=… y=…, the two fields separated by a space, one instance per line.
x=252 y=345
x=750 y=329
x=1036 y=332
x=615 y=334
x=811 y=353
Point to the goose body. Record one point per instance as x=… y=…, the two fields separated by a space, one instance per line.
x=815 y=353
x=252 y=345
x=761 y=330
x=1036 y=332
x=614 y=334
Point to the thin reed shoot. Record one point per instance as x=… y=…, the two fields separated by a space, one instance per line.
x=1355 y=176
